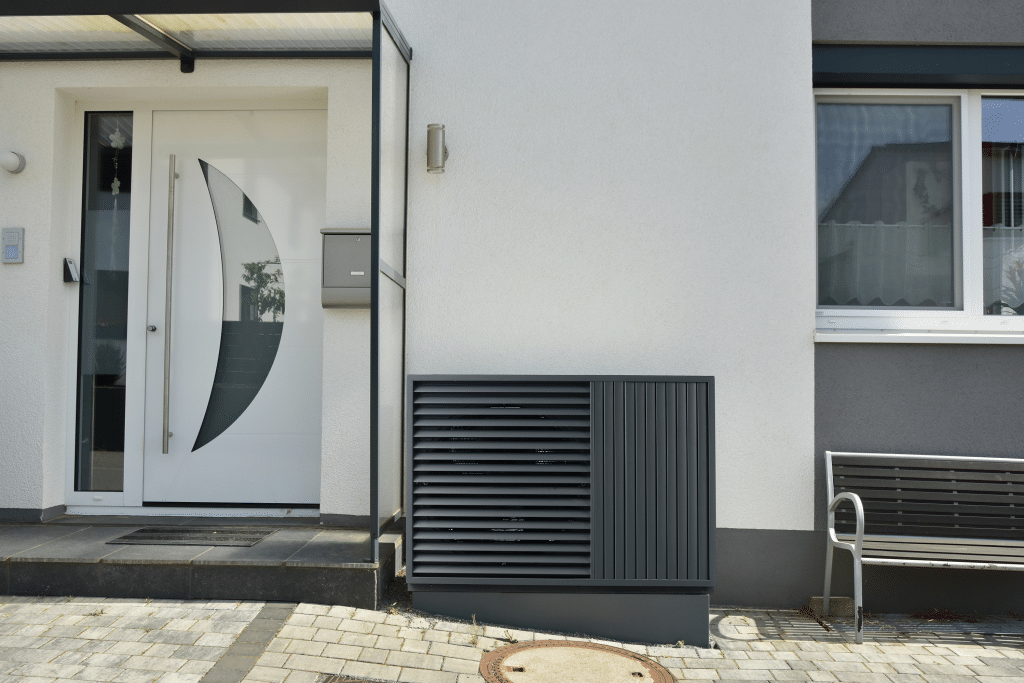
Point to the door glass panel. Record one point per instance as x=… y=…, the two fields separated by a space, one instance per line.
x=253 y=305
x=103 y=302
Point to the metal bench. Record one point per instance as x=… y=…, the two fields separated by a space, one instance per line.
x=923 y=511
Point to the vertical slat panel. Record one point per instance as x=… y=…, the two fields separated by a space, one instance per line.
x=712 y=511
x=661 y=457
x=598 y=529
x=619 y=454
x=630 y=479
x=671 y=500
x=651 y=488
x=692 y=518
x=640 y=530
x=682 y=438
x=702 y=477
x=607 y=436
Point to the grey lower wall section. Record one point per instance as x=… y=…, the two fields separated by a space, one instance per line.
x=636 y=617
x=22 y=515
x=926 y=22
x=769 y=568
x=933 y=399
x=930 y=399
x=783 y=569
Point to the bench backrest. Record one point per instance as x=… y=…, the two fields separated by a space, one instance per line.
x=920 y=495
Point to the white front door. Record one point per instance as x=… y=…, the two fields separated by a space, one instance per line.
x=240 y=380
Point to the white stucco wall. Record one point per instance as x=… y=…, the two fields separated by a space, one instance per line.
x=628 y=192
x=38 y=312
x=25 y=201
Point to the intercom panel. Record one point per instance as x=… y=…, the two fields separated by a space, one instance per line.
x=12 y=241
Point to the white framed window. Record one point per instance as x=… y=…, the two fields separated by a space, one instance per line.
x=920 y=215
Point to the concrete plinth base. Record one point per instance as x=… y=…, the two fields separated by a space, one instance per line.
x=838 y=606
x=636 y=617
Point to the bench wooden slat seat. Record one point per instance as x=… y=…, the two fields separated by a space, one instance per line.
x=927 y=551
x=924 y=511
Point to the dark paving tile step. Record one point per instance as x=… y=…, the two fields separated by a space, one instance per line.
x=325 y=585
x=294 y=564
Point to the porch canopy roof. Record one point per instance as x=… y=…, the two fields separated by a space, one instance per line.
x=191 y=29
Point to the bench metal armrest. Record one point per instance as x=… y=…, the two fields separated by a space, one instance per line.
x=858 y=507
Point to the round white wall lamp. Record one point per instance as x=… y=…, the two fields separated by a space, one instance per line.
x=437 y=152
x=12 y=162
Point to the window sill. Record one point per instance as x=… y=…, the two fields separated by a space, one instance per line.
x=916 y=337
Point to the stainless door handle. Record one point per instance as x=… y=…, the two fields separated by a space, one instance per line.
x=151 y=328
x=172 y=175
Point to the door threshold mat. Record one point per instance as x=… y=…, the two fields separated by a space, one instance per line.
x=242 y=537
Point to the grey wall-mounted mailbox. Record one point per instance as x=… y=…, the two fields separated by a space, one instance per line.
x=346 y=270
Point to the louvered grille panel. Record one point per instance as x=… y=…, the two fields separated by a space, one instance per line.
x=500 y=480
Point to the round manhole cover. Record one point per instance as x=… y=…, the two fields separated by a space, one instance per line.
x=569 y=661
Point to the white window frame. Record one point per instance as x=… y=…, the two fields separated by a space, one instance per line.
x=965 y=323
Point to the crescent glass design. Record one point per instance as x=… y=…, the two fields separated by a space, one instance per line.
x=253 y=297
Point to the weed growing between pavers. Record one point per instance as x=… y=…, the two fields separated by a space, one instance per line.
x=944 y=615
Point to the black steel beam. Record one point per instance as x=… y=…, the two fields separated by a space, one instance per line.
x=395 y=32
x=917 y=66
x=156 y=36
x=202 y=54
x=284 y=54
x=39 y=8
x=375 y=526
x=79 y=56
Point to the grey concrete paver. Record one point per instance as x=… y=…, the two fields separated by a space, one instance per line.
x=48 y=640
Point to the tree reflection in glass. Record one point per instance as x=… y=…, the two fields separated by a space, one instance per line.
x=250 y=333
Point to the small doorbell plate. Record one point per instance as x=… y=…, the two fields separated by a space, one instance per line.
x=12 y=241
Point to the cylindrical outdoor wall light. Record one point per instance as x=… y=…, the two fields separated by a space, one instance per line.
x=12 y=162
x=437 y=152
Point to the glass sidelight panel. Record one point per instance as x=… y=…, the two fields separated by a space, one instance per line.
x=103 y=302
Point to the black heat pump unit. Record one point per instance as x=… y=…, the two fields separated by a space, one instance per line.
x=563 y=486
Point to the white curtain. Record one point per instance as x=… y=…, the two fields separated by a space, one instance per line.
x=1004 y=269
x=864 y=264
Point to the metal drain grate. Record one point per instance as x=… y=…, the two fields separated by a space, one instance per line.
x=242 y=537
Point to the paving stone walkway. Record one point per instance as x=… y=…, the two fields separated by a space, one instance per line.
x=45 y=640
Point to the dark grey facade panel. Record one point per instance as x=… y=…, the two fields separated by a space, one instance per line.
x=918 y=66
x=775 y=568
x=652 y=618
x=780 y=569
x=935 y=22
x=927 y=399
